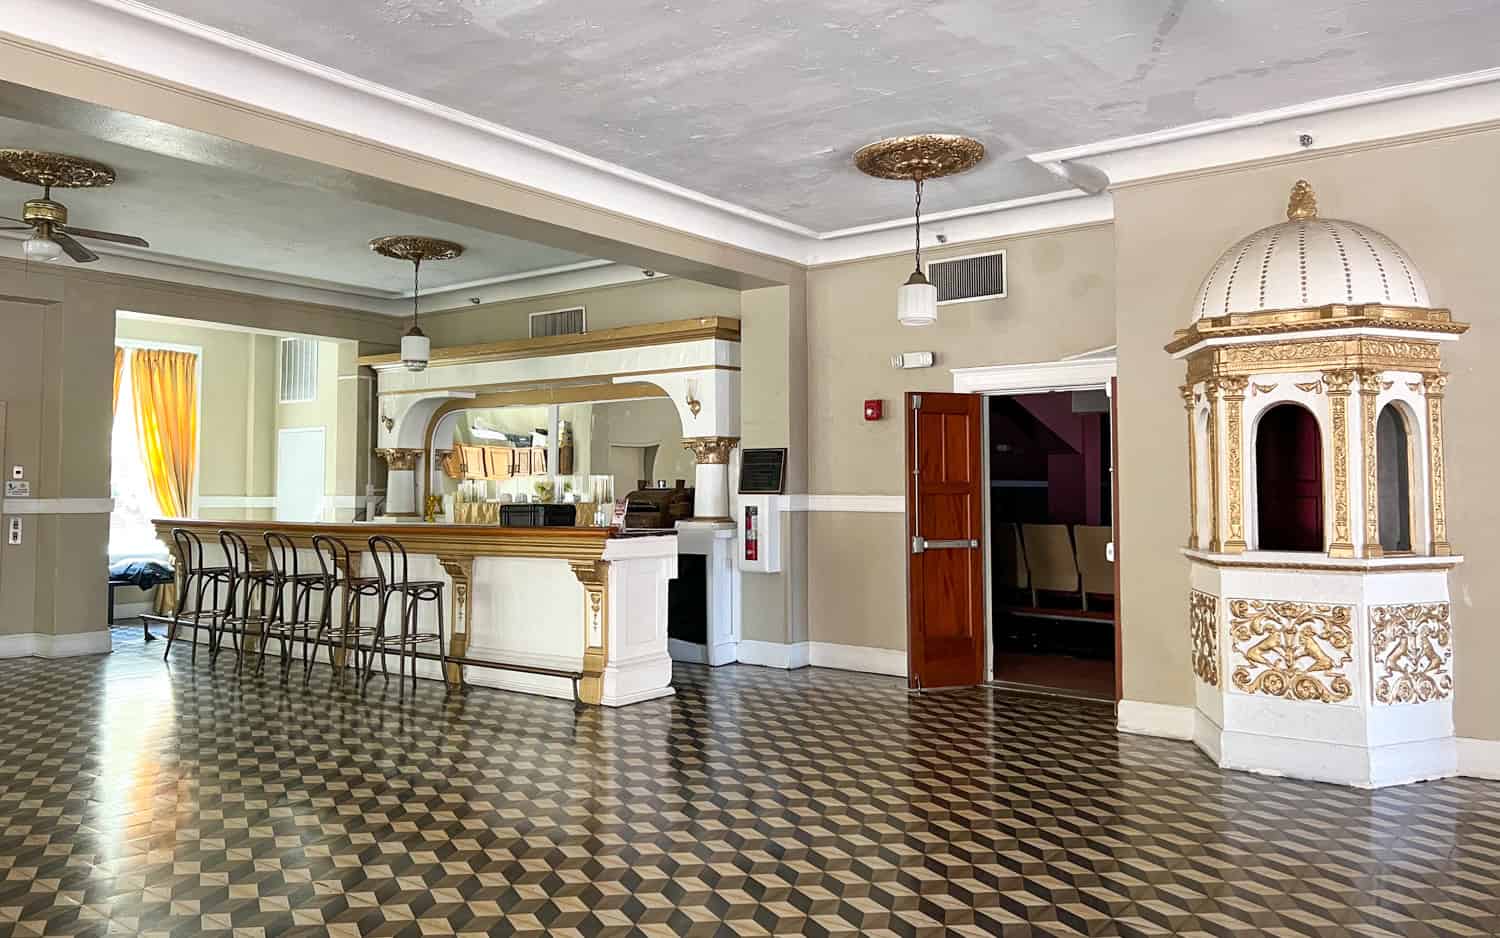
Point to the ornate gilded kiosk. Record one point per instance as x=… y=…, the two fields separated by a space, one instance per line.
x=1319 y=613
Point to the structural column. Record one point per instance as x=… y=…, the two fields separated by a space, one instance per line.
x=711 y=478
x=1211 y=388
x=401 y=480
x=1234 y=408
x=1369 y=390
x=1435 y=385
x=1337 y=384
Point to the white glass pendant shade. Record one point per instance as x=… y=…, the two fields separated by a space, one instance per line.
x=41 y=249
x=416 y=349
x=916 y=301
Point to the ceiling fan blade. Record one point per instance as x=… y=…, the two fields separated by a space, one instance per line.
x=8 y=218
x=106 y=236
x=16 y=228
x=74 y=250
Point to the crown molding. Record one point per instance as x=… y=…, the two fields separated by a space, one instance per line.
x=1388 y=115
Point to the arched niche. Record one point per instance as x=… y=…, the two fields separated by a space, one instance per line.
x=1289 y=480
x=1394 y=458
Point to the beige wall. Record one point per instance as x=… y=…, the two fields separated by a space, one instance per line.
x=1437 y=200
x=322 y=411
x=55 y=377
x=1060 y=302
x=604 y=308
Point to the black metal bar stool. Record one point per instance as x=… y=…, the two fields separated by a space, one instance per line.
x=290 y=617
x=339 y=574
x=197 y=578
x=392 y=570
x=247 y=584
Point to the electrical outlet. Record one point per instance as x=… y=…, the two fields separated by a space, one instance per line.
x=13 y=535
x=18 y=472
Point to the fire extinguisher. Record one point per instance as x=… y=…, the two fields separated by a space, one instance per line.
x=752 y=546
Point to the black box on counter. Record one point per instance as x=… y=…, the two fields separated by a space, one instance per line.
x=538 y=516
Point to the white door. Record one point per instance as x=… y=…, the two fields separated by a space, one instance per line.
x=299 y=474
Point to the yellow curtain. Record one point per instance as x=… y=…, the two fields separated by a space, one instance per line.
x=119 y=369
x=166 y=421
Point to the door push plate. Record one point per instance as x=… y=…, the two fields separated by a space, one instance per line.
x=919 y=544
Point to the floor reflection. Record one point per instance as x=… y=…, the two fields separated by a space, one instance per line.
x=138 y=797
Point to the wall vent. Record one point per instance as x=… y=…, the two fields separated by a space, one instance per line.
x=299 y=370
x=558 y=322
x=963 y=279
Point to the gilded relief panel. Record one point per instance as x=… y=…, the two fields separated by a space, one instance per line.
x=1293 y=650
x=1203 y=624
x=1411 y=653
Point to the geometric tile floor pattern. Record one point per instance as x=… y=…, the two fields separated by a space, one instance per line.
x=138 y=797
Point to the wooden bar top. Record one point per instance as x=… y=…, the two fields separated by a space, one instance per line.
x=477 y=540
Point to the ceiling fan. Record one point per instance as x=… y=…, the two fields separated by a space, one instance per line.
x=51 y=235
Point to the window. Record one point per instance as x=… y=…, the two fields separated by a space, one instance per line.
x=1393 y=470
x=1289 y=480
x=299 y=370
x=130 y=530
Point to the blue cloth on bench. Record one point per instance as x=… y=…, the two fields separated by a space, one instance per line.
x=140 y=573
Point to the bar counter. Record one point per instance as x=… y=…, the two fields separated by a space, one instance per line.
x=584 y=600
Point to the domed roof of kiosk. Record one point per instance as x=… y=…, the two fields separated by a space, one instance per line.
x=1307 y=262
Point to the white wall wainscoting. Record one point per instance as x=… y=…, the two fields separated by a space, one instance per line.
x=1479 y=758
x=1154 y=719
x=881 y=504
x=39 y=645
x=236 y=501
x=793 y=655
x=58 y=506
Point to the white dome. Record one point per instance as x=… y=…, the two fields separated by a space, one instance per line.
x=1307 y=262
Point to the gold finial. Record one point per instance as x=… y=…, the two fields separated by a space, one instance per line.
x=1302 y=204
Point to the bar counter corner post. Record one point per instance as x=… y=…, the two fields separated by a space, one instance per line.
x=460 y=570
x=594 y=576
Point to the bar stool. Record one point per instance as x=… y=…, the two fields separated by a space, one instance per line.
x=246 y=583
x=197 y=579
x=392 y=569
x=338 y=568
x=290 y=621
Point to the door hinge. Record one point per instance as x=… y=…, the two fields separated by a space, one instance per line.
x=916 y=402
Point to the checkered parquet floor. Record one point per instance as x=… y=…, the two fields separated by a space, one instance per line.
x=138 y=797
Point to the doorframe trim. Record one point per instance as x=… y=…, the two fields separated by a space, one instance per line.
x=1094 y=370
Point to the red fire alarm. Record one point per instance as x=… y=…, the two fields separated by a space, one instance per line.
x=874 y=410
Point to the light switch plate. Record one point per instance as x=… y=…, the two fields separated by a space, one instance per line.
x=13 y=534
x=18 y=472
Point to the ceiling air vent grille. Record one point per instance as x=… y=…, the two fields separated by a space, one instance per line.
x=962 y=279
x=557 y=322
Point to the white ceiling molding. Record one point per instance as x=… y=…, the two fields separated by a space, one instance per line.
x=1368 y=118
x=533 y=285
x=1092 y=370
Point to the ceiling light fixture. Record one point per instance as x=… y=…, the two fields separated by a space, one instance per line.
x=416 y=348
x=40 y=248
x=917 y=158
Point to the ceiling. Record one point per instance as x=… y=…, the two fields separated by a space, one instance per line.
x=762 y=102
x=203 y=214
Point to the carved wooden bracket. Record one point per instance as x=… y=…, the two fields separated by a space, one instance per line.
x=460 y=569
x=594 y=576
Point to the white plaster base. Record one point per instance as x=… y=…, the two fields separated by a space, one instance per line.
x=1479 y=758
x=711 y=491
x=783 y=655
x=41 y=645
x=1154 y=719
x=715 y=541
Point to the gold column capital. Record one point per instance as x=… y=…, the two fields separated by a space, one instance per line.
x=1435 y=385
x=711 y=450
x=1338 y=381
x=399 y=457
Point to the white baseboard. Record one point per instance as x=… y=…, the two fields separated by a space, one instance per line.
x=1153 y=719
x=773 y=654
x=691 y=652
x=38 y=645
x=890 y=661
x=1479 y=758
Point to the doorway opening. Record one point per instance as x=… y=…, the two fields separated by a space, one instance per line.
x=1051 y=506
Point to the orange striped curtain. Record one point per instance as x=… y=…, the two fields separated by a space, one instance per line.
x=166 y=421
x=119 y=369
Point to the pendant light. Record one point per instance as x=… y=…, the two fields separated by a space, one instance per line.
x=416 y=348
x=918 y=158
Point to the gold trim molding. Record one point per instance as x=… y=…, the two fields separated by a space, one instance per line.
x=1370 y=383
x=1188 y=401
x=1434 y=386
x=1203 y=628
x=711 y=450
x=1292 y=650
x=582 y=544
x=1337 y=384
x=1284 y=322
x=1323 y=354
x=1234 y=400
x=1411 y=653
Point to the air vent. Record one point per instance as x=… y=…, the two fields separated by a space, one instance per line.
x=557 y=322
x=962 y=279
x=299 y=370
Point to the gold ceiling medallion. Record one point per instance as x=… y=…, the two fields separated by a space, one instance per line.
x=416 y=248
x=53 y=170
x=919 y=156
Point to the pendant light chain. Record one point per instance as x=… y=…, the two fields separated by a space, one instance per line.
x=416 y=287
x=919 y=223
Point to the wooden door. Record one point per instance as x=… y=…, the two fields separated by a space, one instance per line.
x=945 y=530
